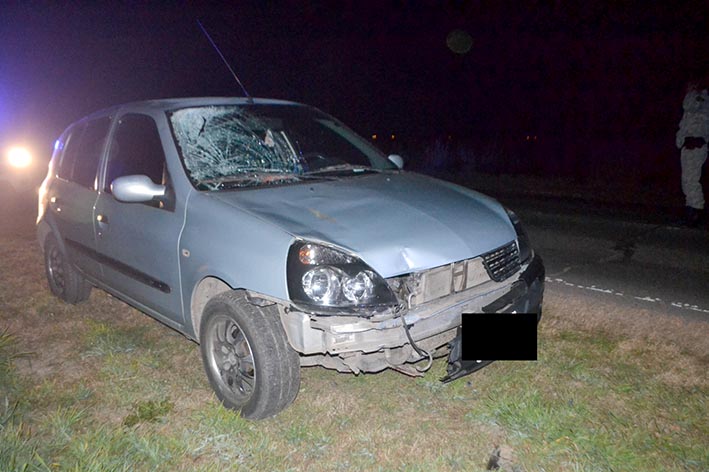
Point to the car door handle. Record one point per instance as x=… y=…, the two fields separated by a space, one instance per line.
x=102 y=221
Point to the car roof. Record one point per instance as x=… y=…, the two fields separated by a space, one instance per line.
x=164 y=104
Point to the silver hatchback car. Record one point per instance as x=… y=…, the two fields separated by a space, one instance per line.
x=276 y=237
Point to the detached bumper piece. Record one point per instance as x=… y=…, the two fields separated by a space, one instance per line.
x=525 y=296
x=457 y=367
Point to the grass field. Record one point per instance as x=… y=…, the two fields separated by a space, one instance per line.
x=99 y=386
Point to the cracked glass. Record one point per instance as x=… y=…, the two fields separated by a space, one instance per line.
x=233 y=146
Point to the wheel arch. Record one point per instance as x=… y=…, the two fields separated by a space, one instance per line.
x=205 y=290
x=209 y=287
x=44 y=231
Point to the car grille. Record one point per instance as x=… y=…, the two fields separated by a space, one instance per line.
x=425 y=286
x=502 y=262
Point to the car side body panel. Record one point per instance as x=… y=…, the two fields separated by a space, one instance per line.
x=234 y=246
x=137 y=243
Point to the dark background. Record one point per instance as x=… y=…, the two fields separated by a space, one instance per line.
x=591 y=91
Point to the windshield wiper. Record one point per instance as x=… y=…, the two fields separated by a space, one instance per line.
x=247 y=179
x=341 y=167
x=257 y=178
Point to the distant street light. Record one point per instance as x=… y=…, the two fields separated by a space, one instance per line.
x=19 y=157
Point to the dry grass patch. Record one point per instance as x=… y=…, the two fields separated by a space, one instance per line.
x=591 y=313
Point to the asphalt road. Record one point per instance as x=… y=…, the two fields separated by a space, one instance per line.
x=630 y=257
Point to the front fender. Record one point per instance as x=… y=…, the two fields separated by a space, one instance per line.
x=236 y=247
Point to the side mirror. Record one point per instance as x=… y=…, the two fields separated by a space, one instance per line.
x=397 y=160
x=136 y=189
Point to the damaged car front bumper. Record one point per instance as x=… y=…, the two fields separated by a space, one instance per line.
x=525 y=296
x=357 y=344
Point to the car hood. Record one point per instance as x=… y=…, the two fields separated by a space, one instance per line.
x=397 y=222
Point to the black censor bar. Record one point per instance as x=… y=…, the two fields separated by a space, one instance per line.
x=499 y=336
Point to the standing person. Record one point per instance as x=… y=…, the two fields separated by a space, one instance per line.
x=692 y=140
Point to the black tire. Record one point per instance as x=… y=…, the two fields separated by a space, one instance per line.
x=64 y=280
x=247 y=357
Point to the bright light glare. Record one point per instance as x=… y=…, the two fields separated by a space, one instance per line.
x=19 y=157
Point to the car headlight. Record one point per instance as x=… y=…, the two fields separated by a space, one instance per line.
x=525 y=248
x=323 y=277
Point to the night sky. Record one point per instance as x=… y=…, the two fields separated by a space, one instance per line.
x=598 y=83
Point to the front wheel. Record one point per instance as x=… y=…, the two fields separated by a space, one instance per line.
x=246 y=355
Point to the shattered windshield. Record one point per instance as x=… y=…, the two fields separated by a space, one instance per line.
x=231 y=146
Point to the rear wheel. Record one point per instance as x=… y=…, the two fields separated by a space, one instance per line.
x=246 y=355
x=64 y=280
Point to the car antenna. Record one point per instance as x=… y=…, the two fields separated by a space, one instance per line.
x=248 y=97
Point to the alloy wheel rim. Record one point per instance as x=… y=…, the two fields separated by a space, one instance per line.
x=56 y=268
x=231 y=359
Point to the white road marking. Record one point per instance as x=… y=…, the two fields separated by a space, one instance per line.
x=584 y=287
x=610 y=291
x=687 y=306
x=648 y=299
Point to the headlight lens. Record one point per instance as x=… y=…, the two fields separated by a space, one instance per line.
x=525 y=248
x=322 y=284
x=360 y=287
x=328 y=278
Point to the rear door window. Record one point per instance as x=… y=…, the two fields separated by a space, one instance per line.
x=83 y=152
x=71 y=146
